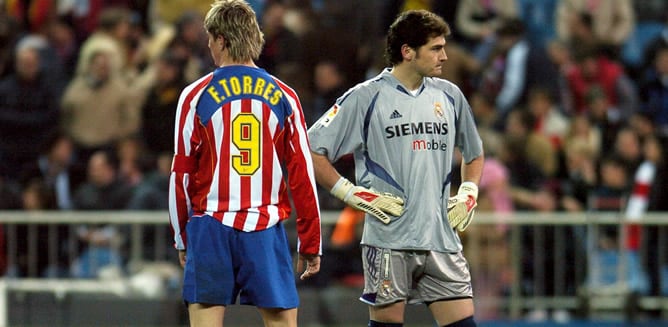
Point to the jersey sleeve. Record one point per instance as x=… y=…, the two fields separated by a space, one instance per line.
x=184 y=163
x=467 y=137
x=339 y=131
x=301 y=179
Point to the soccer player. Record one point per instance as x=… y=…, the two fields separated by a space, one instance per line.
x=238 y=131
x=402 y=128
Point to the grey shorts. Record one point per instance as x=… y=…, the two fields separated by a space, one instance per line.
x=413 y=276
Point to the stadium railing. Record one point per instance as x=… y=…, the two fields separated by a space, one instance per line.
x=519 y=262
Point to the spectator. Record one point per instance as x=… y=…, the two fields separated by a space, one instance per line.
x=65 y=46
x=581 y=32
x=550 y=121
x=48 y=183
x=648 y=196
x=159 y=111
x=596 y=71
x=9 y=34
x=534 y=147
x=51 y=70
x=515 y=68
x=651 y=49
x=152 y=193
x=495 y=193
x=133 y=160
x=493 y=266
x=330 y=82
x=168 y=12
x=281 y=53
x=539 y=18
x=561 y=56
x=612 y=21
x=32 y=261
x=57 y=169
x=103 y=190
x=628 y=148
x=185 y=40
x=654 y=91
x=477 y=22
x=110 y=36
x=190 y=43
x=83 y=16
x=582 y=130
x=610 y=194
x=486 y=116
x=98 y=107
x=28 y=110
x=603 y=116
x=581 y=153
x=643 y=125
x=580 y=176
x=184 y=43
x=41 y=248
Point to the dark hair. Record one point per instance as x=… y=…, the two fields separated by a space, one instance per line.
x=110 y=157
x=541 y=91
x=112 y=16
x=511 y=27
x=526 y=118
x=51 y=139
x=586 y=51
x=413 y=28
x=587 y=19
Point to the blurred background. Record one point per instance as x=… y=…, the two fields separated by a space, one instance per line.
x=570 y=98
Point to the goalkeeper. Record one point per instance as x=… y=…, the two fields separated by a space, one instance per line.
x=402 y=128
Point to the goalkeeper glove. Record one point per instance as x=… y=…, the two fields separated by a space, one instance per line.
x=461 y=206
x=368 y=200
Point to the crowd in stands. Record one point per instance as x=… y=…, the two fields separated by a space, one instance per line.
x=570 y=96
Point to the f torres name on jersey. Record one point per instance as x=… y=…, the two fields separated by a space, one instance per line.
x=245 y=85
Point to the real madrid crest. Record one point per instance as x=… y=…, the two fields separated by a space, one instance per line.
x=438 y=111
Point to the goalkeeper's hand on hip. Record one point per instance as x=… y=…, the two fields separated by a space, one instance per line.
x=461 y=207
x=378 y=204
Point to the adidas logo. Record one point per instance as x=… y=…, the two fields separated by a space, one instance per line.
x=395 y=114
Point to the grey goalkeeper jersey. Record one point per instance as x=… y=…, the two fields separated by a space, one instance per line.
x=403 y=144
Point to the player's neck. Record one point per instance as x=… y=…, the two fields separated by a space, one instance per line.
x=249 y=63
x=226 y=60
x=408 y=77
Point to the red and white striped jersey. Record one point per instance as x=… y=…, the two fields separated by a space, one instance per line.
x=238 y=131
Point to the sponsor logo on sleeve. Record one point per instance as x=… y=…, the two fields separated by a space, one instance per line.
x=330 y=115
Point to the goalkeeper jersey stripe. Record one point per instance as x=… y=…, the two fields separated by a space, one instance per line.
x=403 y=143
x=238 y=128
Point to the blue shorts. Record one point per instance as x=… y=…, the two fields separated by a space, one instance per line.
x=223 y=263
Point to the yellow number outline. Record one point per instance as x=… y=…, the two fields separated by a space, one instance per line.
x=246 y=132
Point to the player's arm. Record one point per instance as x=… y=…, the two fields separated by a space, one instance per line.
x=183 y=167
x=301 y=179
x=472 y=171
x=461 y=207
x=375 y=203
x=325 y=173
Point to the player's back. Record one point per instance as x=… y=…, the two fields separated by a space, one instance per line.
x=242 y=113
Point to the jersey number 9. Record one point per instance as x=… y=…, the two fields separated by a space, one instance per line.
x=247 y=137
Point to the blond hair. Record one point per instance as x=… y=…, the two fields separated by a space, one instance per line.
x=236 y=22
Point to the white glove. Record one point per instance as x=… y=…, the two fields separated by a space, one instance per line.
x=373 y=202
x=461 y=207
